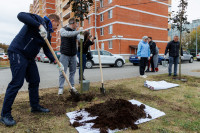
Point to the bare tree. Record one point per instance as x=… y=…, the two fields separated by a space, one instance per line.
x=179 y=19
x=80 y=9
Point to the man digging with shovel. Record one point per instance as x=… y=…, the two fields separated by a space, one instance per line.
x=22 y=52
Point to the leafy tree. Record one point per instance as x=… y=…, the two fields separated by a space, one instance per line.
x=4 y=46
x=179 y=19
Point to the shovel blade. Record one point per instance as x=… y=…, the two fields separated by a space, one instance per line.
x=103 y=90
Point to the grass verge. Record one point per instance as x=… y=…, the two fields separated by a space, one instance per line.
x=181 y=105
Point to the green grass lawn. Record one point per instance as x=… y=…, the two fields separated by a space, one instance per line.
x=181 y=105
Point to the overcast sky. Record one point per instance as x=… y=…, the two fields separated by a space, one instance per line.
x=10 y=26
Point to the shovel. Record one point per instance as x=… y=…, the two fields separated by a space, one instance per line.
x=74 y=94
x=102 y=89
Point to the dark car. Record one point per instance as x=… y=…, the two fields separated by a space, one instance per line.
x=134 y=59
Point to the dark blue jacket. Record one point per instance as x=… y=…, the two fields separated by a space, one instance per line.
x=28 y=41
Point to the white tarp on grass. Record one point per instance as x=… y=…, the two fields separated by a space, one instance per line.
x=159 y=85
x=87 y=127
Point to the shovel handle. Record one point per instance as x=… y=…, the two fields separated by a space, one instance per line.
x=58 y=62
x=99 y=58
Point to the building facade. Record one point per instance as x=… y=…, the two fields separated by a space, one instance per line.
x=120 y=25
x=44 y=8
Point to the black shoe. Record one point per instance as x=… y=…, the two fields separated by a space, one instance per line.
x=169 y=74
x=152 y=71
x=147 y=71
x=39 y=109
x=8 y=120
x=175 y=75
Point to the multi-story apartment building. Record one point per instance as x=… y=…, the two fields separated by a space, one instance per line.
x=44 y=8
x=121 y=24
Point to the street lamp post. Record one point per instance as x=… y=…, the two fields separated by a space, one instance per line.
x=196 y=41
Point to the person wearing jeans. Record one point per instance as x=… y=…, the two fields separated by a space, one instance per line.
x=88 y=41
x=173 y=48
x=143 y=54
x=68 y=49
x=173 y=60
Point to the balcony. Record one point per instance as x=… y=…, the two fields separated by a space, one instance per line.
x=64 y=4
x=66 y=14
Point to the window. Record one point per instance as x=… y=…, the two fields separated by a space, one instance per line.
x=110 y=44
x=101 y=31
x=82 y=23
x=106 y=53
x=88 y=8
x=89 y=31
x=101 y=17
x=89 y=20
x=110 y=14
x=101 y=3
x=109 y=1
x=110 y=29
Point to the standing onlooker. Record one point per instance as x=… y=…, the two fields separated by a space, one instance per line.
x=152 y=45
x=143 y=54
x=68 y=51
x=22 y=52
x=173 y=47
x=155 y=59
x=86 y=44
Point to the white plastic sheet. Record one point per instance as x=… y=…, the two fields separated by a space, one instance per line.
x=87 y=127
x=159 y=85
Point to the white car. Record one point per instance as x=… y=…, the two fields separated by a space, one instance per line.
x=3 y=55
x=107 y=58
x=198 y=57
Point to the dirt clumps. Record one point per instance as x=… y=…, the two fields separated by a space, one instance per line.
x=116 y=114
x=58 y=104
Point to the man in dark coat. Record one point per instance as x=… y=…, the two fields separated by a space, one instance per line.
x=152 y=46
x=22 y=52
x=173 y=49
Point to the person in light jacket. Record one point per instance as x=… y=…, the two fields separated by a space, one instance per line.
x=143 y=54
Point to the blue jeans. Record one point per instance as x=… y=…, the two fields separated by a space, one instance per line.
x=67 y=61
x=21 y=69
x=84 y=62
x=173 y=60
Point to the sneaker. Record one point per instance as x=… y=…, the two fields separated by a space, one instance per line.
x=143 y=76
x=39 y=109
x=60 y=91
x=8 y=120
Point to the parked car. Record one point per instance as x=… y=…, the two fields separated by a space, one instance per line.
x=3 y=55
x=107 y=58
x=134 y=59
x=198 y=57
x=44 y=58
x=186 y=57
x=37 y=58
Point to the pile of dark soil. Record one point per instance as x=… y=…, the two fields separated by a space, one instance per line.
x=115 y=114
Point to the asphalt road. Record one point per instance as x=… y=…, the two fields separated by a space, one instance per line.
x=49 y=74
